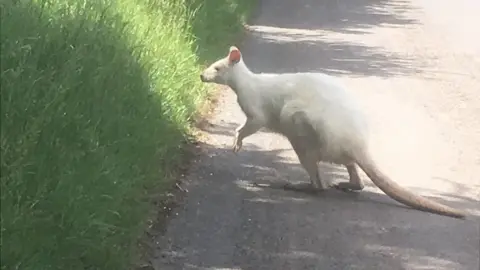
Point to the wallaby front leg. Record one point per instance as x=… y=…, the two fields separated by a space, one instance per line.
x=248 y=128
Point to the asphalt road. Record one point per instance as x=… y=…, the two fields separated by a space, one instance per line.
x=415 y=68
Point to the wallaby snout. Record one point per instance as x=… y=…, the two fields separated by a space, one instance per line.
x=220 y=72
x=211 y=74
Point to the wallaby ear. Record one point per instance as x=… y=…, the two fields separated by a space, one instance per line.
x=234 y=55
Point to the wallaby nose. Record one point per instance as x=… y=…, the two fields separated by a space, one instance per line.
x=202 y=77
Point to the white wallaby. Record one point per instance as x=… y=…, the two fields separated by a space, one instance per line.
x=320 y=120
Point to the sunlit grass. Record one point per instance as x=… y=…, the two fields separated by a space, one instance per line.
x=96 y=102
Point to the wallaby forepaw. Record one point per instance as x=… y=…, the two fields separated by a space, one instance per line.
x=237 y=145
x=236 y=148
x=347 y=187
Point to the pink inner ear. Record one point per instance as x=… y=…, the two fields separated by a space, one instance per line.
x=234 y=56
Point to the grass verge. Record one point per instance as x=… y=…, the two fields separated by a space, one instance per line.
x=96 y=103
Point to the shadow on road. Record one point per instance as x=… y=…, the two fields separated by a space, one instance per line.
x=293 y=43
x=324 y=225
x=296 y=51
x=253 y=158
x=355 y=17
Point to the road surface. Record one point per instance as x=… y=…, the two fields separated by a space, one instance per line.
x=415 y=68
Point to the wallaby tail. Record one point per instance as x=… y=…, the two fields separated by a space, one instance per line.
x=401 y=194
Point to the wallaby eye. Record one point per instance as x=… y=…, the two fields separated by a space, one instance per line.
x=217 y=68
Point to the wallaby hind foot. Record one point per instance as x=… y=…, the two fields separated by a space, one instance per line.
x=305 y=187
x=355 y=183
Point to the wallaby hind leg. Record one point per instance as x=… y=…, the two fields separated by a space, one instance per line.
x=355 y=183
x=309 y=162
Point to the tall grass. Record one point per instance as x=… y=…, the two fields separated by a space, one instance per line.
x=96 y=98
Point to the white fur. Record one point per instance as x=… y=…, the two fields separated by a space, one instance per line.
x=318 y=117
x=269 y=100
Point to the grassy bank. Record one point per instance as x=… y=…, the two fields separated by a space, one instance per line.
x=96 y=102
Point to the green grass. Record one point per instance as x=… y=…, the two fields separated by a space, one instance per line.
x=96 y=103
x=216 y=25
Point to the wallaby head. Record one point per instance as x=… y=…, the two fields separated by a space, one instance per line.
x=223 y=69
